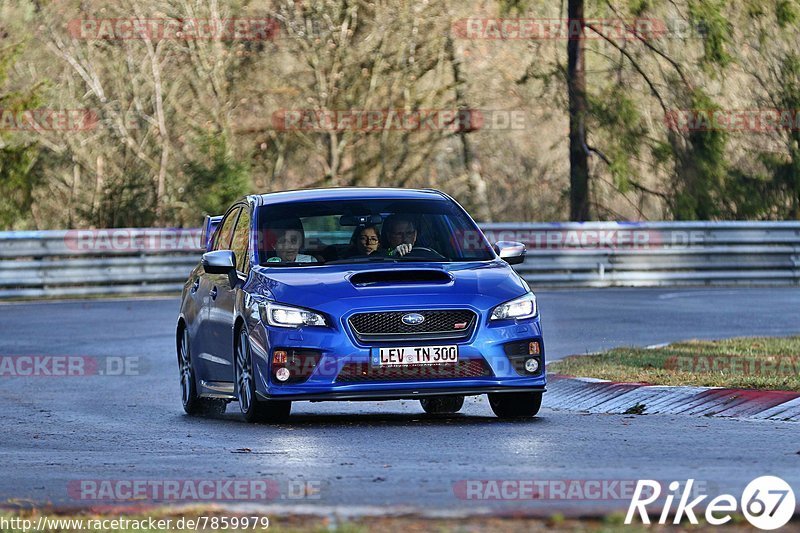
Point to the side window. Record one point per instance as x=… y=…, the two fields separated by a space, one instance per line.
x=241 y=241
x=222 y=239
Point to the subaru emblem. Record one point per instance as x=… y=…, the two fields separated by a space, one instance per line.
x=413 y=319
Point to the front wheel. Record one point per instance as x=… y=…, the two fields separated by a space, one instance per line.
x=252 y=409
x=515 y=404
x=442 y=405
x=192 y=403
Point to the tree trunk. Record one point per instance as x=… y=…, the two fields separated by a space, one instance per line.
x=332 y=140
x=472 y=165
x=576 y=86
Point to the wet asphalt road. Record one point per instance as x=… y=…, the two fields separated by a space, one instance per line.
x=58 y=430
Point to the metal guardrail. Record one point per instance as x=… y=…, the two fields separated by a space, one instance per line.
x=36 y=264
x=604 y=254
x=594 y=254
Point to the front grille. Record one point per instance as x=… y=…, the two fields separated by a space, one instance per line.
x=361 y=372
x=389 y=326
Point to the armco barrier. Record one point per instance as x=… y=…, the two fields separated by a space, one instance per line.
x=608 y=254
x=36 y=264
x=593 y=254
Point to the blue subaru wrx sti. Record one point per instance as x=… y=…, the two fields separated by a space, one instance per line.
x=356 y=294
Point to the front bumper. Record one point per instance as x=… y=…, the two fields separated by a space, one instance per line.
x=400 y=394
x=339 y=347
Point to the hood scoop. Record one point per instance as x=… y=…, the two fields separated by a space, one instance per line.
x=400 y=277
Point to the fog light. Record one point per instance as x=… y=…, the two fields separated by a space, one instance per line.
x=533 y=348
x=531 y=365
x=282 y=374
x=279 y=357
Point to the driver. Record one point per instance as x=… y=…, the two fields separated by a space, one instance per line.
x=399 y=234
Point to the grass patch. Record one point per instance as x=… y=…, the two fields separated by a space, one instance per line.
x=767 y=363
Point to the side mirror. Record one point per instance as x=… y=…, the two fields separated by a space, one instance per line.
x=209 y=227
x=511 y=252
x=219 y=262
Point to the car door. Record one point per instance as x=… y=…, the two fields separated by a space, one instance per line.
x=212 y=366
x=225 y=305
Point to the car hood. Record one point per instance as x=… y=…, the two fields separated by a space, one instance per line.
x=339 y=288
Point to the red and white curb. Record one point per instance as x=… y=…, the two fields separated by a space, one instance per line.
x=601 y=396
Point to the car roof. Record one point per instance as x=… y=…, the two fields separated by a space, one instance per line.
x=349 y=193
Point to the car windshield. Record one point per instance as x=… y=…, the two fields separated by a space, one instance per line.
x=367 y=230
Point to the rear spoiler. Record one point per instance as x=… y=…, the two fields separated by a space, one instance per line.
x=209 y=227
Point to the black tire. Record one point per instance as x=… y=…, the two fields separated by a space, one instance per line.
x=442 y=405
x=251 y=408
x=515 y=404
x=192 y=403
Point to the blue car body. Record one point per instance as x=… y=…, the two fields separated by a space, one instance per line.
x=340 y=361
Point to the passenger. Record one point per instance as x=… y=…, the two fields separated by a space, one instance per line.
x=399 y=234
x=365 y=240
x=286 y=237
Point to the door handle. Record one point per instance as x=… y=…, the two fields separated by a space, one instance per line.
x=195 y=285
x=213 y=293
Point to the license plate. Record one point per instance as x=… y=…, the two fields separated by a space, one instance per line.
x=416 y=355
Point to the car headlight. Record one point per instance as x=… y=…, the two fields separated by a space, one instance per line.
x=522 y=307
x=286 y=316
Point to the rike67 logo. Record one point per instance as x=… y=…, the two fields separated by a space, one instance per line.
x=767 y=503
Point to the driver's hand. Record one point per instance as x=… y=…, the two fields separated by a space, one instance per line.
x=403 y=249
